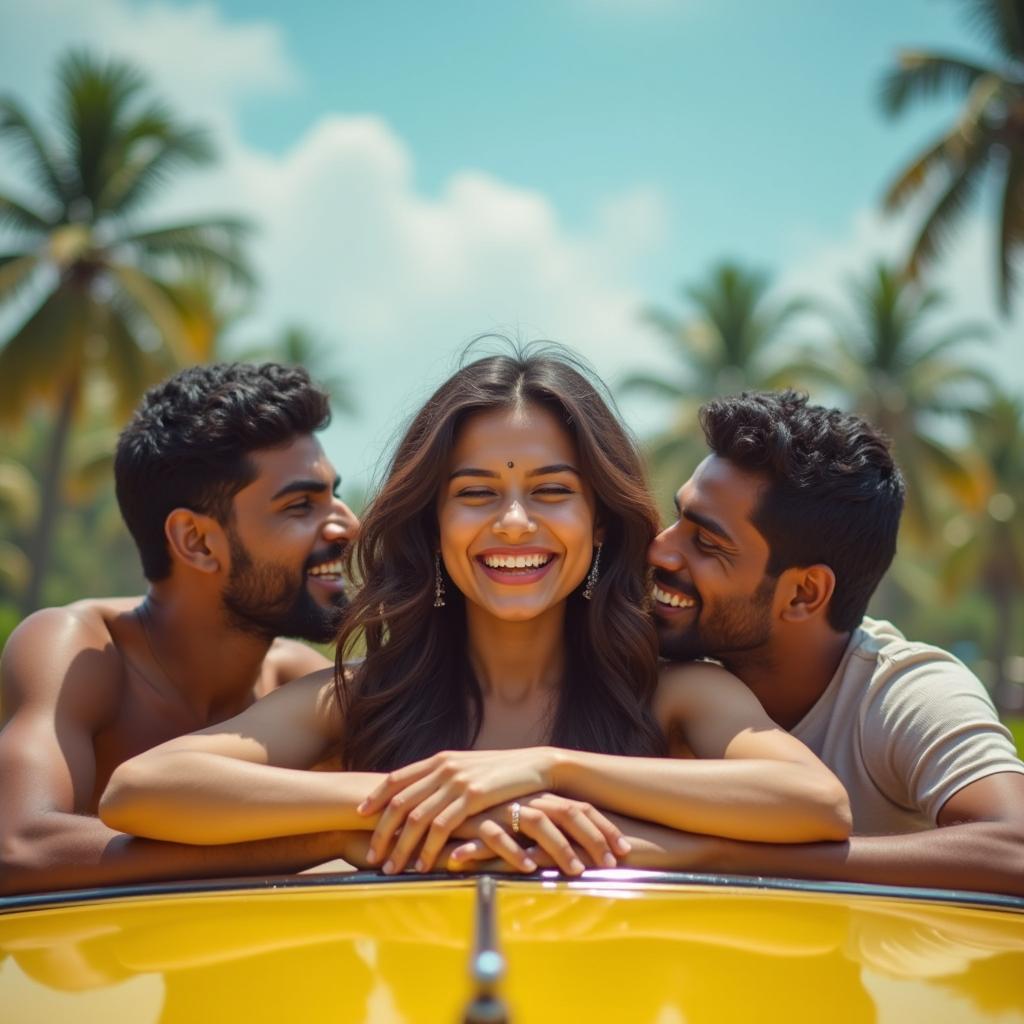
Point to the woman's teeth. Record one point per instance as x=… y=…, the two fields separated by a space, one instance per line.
x=516 y=561
x=326 y=569
x=672 y=600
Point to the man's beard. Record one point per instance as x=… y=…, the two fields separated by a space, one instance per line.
x=721 y=631
x=269 y=600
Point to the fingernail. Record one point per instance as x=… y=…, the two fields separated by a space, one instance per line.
x=389 y=867
x=576 y=866
x=371 y=857
x=361 y=809
x=420 y=866
x=622 y=845
x=530 y=865
x=608 y=860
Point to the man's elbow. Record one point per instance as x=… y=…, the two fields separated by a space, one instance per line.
x=23 y=865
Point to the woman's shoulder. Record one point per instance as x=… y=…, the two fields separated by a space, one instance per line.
x=687 y=687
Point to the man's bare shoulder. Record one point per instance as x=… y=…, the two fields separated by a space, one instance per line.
x=68 y=650
x=291 y=659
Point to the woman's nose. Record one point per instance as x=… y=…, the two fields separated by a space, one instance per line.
x=514 y=521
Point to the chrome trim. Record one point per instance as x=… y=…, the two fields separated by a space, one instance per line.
x=609 y=879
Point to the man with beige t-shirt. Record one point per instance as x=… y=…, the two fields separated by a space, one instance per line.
x=783 y=533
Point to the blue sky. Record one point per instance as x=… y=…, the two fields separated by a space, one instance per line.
x=424 y=172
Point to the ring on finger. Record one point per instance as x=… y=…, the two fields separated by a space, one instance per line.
x=515 y=818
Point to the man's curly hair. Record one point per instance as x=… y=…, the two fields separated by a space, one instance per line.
x=834 y=495
x=188 y=444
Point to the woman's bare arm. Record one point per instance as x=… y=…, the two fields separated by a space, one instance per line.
x=245 y=778
x=749 y=778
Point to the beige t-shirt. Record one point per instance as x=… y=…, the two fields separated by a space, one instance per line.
x=905 y=726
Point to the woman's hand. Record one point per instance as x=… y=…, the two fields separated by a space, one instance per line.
x=564 y=830
x=426 y=801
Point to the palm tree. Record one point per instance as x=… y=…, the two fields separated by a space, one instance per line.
x=97 y=281
x=991 y=544
x=725 y=346
x=988 y=136
x=887 y=363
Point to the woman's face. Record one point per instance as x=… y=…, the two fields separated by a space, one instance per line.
x=516 y=519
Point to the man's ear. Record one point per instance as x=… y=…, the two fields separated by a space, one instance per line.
x=806 y=592
x=197 y=540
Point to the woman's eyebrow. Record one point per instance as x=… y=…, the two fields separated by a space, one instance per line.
x=490 y=474
x=557 y=467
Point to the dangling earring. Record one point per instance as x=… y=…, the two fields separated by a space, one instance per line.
x=438 y=581
x=588 y=587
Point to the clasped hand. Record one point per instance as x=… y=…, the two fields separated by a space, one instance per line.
x=467 y=794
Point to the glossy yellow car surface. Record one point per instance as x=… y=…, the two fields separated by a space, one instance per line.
x=614 y=946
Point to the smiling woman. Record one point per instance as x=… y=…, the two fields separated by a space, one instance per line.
x=510 y=680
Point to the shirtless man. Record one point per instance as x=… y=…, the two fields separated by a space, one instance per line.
x=784 y=532
x=230 y=500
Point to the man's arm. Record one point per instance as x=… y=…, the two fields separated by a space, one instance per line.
x=978 y=846
x=58 y=680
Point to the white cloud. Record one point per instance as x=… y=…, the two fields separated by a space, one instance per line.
x=192 y=54
x=349 y=246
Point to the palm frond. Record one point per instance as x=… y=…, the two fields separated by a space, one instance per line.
x=203 y=247
x=920 y=75
x=810 y=368
x=676 y=335
x=146 y=298
x=21 y=217
x=1001 y=22
x=152 y=147
x=962 y=334
x=95 y=101
x=47 y=174
x=963 y=564
x=130 y=367
x=49 y=345
x=942 y=219
x=910 y=180
x=1011 y=228
x=16 y=271
x=953 y=470
x=19 y=494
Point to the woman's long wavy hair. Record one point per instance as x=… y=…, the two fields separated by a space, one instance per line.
x=415 y=692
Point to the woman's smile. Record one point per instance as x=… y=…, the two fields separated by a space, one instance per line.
x=516 y=566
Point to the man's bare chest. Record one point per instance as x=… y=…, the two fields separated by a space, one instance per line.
x=145 y=718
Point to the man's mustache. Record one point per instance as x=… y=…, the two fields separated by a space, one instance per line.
x=674 y=581
x=328 y=554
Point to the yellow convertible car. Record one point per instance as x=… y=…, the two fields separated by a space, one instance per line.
x=615 y=946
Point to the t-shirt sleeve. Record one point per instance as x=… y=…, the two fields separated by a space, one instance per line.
x=929 y=728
